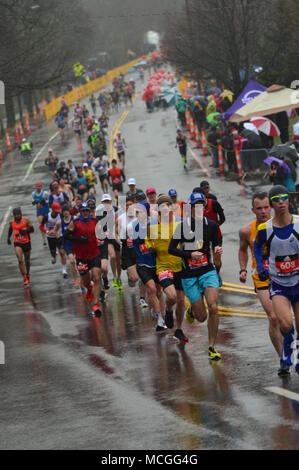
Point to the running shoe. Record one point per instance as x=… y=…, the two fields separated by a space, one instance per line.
x=284 y=369
x=288 y=355
x=76 y=283
x=179 y=336
x=161 y=329
x=53 y=260
x=89 y=295
x=64 y=272
x=143 y=303
x=214 y=355
x=169 y=320
x=45 y=243
x=26 y=280
x=106 y=283
x=114 y=283
x=189 y=315
x=96 y=310
x=120 y=284
x=103 y=296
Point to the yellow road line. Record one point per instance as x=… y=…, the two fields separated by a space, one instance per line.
x=240 y=310
x=239 y=291
x=228 y=314
x=237 y=286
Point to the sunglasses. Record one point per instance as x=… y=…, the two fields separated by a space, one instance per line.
x=280 y=197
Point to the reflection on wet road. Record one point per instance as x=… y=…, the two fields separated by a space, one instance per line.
x=74 y=381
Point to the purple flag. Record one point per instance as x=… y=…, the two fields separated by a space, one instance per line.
x=252 y=90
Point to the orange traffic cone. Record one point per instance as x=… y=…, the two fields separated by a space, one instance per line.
x=8 y=142
x=18 y=138
x=197 y=138
x=27 y=124
x=192 y=130
x=34 y=115
x=221 y=161
x=204 y=143
x=21 y=130
x=239 y=163
x=188 y=118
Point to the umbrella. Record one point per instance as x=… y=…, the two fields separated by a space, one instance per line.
x=285 y=151
x=214 y=89
x=170 y=96
x=270 y=160
x=254 y=140
x=274 y=100
x=266 y=126
x=251 y=127
x=213 y=119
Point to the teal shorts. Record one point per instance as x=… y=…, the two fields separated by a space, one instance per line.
x=195 y=286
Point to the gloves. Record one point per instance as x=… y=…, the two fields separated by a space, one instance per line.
x=263 y=275
x=9 y=241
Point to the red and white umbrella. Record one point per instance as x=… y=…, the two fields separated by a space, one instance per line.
x=266 y=126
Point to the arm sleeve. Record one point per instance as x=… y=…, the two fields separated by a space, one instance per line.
x=213 y=231
x=258 y=246
x=219 y=210
x=174 y=242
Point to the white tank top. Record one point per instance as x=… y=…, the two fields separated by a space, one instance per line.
x=50 y=225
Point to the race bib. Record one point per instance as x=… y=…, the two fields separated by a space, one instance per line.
x=82 y=268
x=143 y=248
x=287 y=265
x=129 y=243
x=116 y=181
x=198 y=264
x=21 y=239
x=166 y=275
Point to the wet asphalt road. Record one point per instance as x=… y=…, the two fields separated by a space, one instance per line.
x=75 y=382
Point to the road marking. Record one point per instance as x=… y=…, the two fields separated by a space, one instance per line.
x=2 y=226
x=243 y=315
x=284 y=393
x=198 y=160
x=238 y=286
x=240 y=310
x=239 y=291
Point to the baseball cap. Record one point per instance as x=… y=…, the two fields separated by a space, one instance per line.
x=140 y=196
x=50 y=150
x=84 y=207
x=132 y=182
x=106 y=197
x=56 y=207
x=151 y=190
x=164 y=199
x=85 y=165
x=196 y=198
x=172 y=193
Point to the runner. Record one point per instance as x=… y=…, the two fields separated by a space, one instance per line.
x=91 y=179
x=262 y=210
x=40 y=199
x=128 y=255
x=101 y=165
x=182 y=145
x=93 y=103
x=120 y=145
x=82 y=232
x=177 y=204
x=112 y=238
x=20 y=227
x=47 y=226
x=60 y=122
x=133 y=191
x=77 y=126
x=146 y=265
x=281 y=236
x=58 y=196
x=61 y=227
x=101 y=234
x=116 y=178
x=199 y=277
x=168 y=267
x=51 y=161
x=81 y=183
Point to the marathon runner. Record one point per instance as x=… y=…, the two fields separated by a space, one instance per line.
x=82 y=233
x=101 y=165
x=195 y=235
x=61 y=227
x=40 y=199
x=146 y=264
x=262 y=210
x=51 y=161
x=281 y=236
x=47 y=226
x=21 y=228
x=57 y=195
x=81 y=183
x=116 y=178
x=182 y=145
x=168 y=267
x=77 y=126
x=91 y=179
x=120 y=145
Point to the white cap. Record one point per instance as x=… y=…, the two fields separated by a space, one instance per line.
x=85 y=164
x=132 y=182
x=106 y=197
